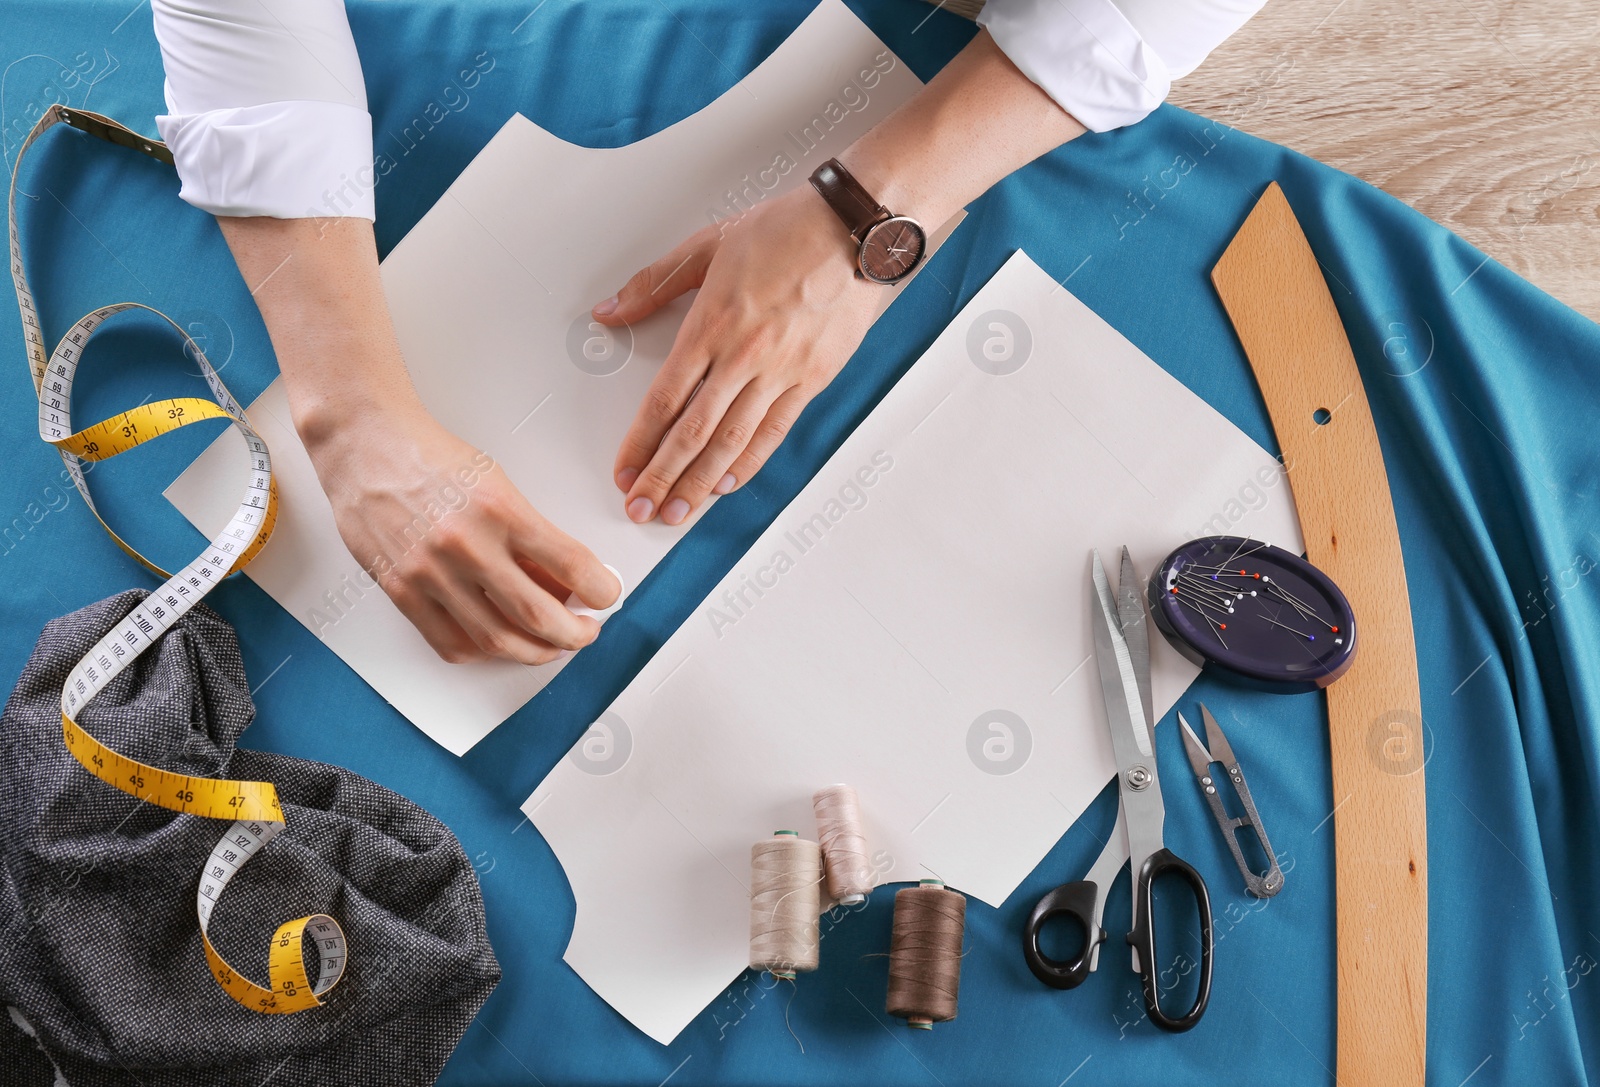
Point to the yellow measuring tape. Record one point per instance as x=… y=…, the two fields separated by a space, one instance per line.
x=252 y=805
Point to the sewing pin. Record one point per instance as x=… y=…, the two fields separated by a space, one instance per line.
x=1237 y=554
x=1290 y=596
x=1201 y=585
x=1198 y=610
x=1303 y=634
x=1304 y=609
x=1238 y=546
x=1231 y=588
x=1197 y=604
x=1220 y=603
x=1293 y=601
x=1226 y=599
x=1216 y=627
x=1201 y=582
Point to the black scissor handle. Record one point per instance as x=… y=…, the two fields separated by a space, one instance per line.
x=1143 y=938
x=1068 y=900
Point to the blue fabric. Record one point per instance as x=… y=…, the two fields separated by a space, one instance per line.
x=1485 y=392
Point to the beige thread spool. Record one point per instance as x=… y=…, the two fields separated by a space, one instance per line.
x=785 y=901
x=925 y=954
x=844 y=844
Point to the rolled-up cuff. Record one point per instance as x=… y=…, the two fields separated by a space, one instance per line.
x=289 y=160
x=1082 y=53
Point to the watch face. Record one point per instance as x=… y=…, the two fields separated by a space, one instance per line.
x=892 y=249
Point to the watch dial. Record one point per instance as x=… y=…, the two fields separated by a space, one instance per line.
x=892 y=249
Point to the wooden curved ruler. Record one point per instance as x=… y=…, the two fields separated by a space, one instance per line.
x=1274 y=292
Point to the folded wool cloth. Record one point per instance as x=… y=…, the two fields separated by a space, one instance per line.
x=101 y=963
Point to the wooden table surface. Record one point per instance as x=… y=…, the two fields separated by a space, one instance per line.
x=1484 y=115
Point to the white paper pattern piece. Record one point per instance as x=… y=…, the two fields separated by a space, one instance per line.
x=916 y=624
x=491 y=293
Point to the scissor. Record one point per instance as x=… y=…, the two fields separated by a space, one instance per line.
x=1122 y=651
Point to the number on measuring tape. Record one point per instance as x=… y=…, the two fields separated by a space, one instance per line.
x=252 y=805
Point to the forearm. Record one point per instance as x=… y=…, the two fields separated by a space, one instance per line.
x=316 y=283
x=977 y=121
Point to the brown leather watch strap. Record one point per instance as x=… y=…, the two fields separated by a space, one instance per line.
x=850 y=202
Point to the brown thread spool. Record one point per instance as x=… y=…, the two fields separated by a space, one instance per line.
x=925 y=953
x=844 y=844
x=785 y=901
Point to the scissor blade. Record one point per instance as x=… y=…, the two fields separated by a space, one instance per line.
x=1131 y=613
x=1199 y=758
x=1221 y=750
x=1142 y=807
x=1130 y=731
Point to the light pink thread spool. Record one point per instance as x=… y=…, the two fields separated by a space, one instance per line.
x=844 y=844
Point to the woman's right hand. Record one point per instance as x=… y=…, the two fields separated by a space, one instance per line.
x=454 y=544
x=434 y=521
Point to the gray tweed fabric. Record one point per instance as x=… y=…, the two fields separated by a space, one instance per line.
x=100 y=953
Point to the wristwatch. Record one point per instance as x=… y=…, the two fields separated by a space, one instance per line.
x=889 y=246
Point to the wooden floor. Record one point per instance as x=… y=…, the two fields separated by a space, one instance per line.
x=1483 y=115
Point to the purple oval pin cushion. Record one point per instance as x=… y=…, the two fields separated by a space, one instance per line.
x=1261 y=614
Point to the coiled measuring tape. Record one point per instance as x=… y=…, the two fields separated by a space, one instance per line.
x=251 y=805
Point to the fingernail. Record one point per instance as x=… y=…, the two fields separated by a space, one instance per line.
x=577 y=607
x=640 y=509
x=675 y=511
x=626 y=477
x=725 y=484
x=606 y=307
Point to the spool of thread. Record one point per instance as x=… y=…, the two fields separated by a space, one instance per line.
x=925 y=953
x=844 y=844
x=785 y=901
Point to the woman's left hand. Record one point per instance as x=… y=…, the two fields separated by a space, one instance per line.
x=780 y=310
x=779 y=313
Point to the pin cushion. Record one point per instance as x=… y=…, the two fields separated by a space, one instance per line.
x=1261 y=614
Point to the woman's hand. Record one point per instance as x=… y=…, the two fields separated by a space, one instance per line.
x=779 y=313
x=458 y=549
x=435 y=522
x=780 y=310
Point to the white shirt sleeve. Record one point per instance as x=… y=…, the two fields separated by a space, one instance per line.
x=266 y=107
x=1111 y=62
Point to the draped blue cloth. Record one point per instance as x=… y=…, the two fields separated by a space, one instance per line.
x=1486 y=394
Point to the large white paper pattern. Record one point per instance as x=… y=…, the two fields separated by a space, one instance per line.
x=491 y=293
x=915 y=623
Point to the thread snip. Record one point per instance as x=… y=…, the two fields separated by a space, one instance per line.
x=844 y=844
x=785 y=901
x=925 y=953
